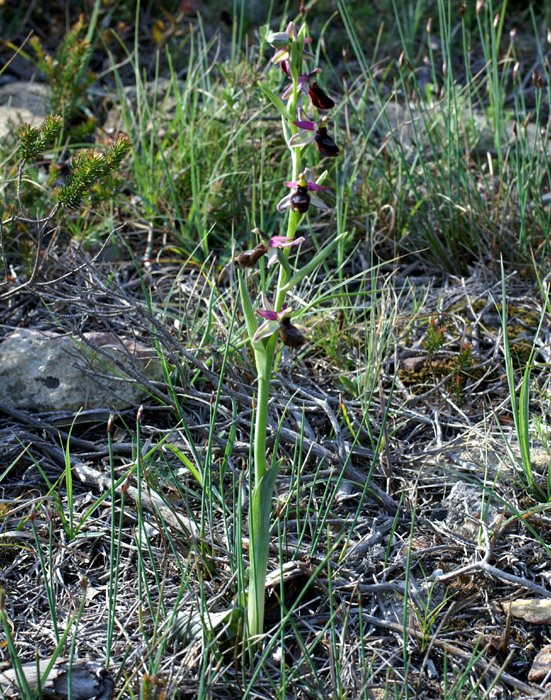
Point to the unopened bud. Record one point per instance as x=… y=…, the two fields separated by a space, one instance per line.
x=515 y=70
x=479 y=6
x=444 y=69
x=513 y=34
x=429 y=25
x=84 y=583
x=515 y=132
x=402 y=60
x=139 y=414
x=546 y=65
x=527 y=120
x=463 y=9
x=346 y=54
x=110 y=423
x=549 y=36
x=496 y=21
x=279 y=40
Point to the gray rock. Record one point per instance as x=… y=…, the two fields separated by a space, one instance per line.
x=467 y=505
x=22 y=102
x=45 y=372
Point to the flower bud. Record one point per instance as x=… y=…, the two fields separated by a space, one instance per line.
x=279 y=40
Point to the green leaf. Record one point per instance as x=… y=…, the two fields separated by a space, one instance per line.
x=259 y=534
x=315 y=262
x=247 y=306
x=185 y=460
x=276 y=101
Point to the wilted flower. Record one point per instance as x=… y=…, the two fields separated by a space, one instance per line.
x=319 y=98
x=269 y=245
x=250 y=257
x=300 y=199
x=276 y=242
x=323 y=142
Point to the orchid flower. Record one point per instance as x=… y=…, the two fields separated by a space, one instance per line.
x=316 y=133
x=281 y=322
x=300 y=199
x=276 y=242
x=303 y=83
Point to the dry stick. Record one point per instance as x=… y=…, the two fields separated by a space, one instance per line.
x=483 y=666
x=34 y=422
x=152 y=502
x=485 y=566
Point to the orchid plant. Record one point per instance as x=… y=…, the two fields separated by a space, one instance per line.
x=302 y=94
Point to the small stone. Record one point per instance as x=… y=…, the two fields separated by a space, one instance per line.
x=536 y=611
x=467 y=505
x=22 y=102
x=541 y=665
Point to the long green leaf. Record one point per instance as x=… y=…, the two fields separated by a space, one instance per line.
x=186 y=461
x=248 y=311
x=318 y=258
x=276 y=101
x=259 y=533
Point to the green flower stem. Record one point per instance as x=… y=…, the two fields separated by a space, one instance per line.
x=259 y=517
x=260 y=503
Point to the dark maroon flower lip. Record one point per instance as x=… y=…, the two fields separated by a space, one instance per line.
x=319 y=98
x=300 y=201
x=325 y=144
x=290 y=335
